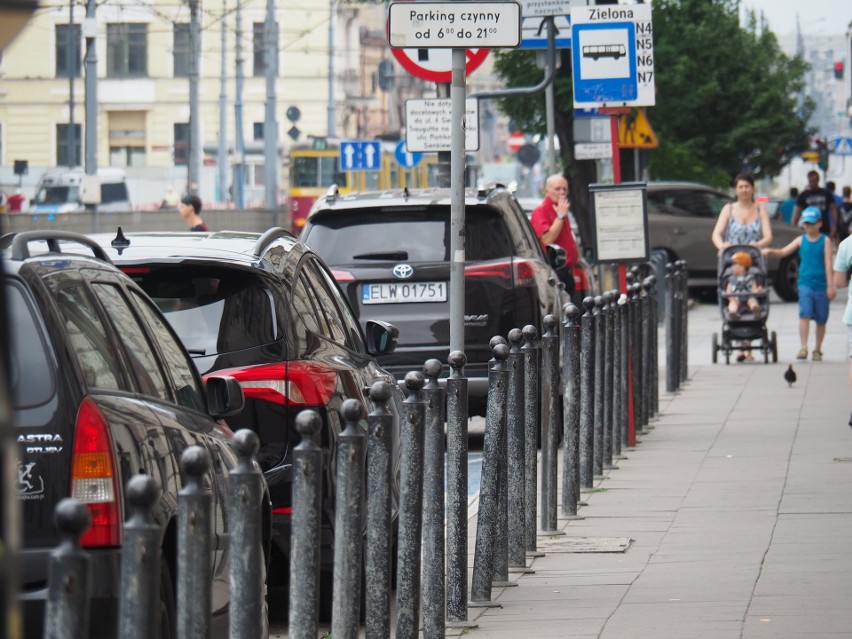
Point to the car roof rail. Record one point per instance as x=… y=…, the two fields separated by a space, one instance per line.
x=332 y=194
x=486 y=187
x=21 y=250
x=269 y=236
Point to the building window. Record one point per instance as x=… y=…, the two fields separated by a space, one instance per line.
x=181 y=145
x=181 y=50
x=259 y=49
x=127 y=50
x=68 y=50
x=67 y=155
x=258 y=131
x=127 y=156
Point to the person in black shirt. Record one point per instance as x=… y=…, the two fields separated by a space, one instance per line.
x=190 y=207
x=821 y=198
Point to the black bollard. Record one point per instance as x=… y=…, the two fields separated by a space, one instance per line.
x=140 y=562
x=531 y=355
x=636 y=355
x=515 y=455
x=655 y=344
x=486 y=520
x=623 y=366
x=69 y=578
x=457 y=417
x=501 y=531
x=587 y=394
x=598 y=393
x=617 y=392
x=608 y=369
x=379 y=504
x=684 y=324
x=195 y=532
x=672 y=316
x=410 y=509
x=571 y=411
x=305 y=529
x=647 y=351
x=550 y=436
x=247 y=562
x=434 y=599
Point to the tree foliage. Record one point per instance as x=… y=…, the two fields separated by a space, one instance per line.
x=728 y=99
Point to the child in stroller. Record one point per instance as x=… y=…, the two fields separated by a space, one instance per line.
x=740 y=285
x=743 y=304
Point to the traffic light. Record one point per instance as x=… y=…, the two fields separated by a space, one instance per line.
x=838 y=70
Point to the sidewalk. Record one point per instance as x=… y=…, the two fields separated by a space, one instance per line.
x=737 y=505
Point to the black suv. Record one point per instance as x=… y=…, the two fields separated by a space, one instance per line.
x=390 y=253
x=102 y=389
x=265 y=310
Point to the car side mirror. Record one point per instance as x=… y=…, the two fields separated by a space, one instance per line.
x=557 y=256
x=382 y=337
x=224 y=396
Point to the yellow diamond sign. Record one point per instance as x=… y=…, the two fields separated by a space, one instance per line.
x=635 y=132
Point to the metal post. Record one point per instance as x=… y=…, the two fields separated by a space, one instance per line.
x=195 y=532
x=457 y=211
x=516 y=455
x=305 y=530
x=457 y=417
x=672 y=313
x=486 y=520
x=239 y=141
x=433 y=503
x=270 y=122
x=571 y=411
x=531 y=355
x=194 y=146
x=349 y=521
x=222 y=160
x=655 y=344
x=598 y=389
x=501 y=529
x=608 y=359
x=247 y=567
x=550 y=436
x=684 y=325
x=647 y=351
x=91 y=89
x=410 y=509
x=587 y=394
x=617 y=404
x=69 y=578
x=624 y=359
x=140 y=562
x=635 y=354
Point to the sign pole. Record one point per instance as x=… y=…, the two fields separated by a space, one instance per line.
x=457 y=175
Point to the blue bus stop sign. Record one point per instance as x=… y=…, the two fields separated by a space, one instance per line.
x=407 y=160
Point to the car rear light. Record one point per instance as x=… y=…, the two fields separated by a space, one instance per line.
x=135 y=270
x=284 y=510
x=287 y=384
x=523 y=271
x=342 y=276
x=93 y=476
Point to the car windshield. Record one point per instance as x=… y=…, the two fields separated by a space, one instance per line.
x=419 y=234
x=57 y=195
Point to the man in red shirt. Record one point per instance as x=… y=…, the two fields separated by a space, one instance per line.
x=550 y=222
x=16 y=202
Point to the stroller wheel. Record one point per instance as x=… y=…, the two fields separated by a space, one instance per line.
x=715 y=354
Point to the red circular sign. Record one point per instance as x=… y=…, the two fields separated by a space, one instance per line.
x=516 y=141
x=436 y=65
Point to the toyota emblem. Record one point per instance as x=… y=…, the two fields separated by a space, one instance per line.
x=403 y=271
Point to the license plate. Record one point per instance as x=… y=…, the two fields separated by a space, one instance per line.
x=404 y=292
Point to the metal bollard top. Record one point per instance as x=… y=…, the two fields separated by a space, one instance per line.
x=596 y=310
x=607 y=298
x=571 y=314
x=414 y=383
x=457 y=360
x=195 y=461
x=245 y=444
x=516 y=336
x=500 y=351
x=588 y=303
x=649 y=283
x=380 y=392
x=352 y=411
x=550 y=323
x=72 y=518
x=497 y=339
x=432 y=369
x=530 y=334
x=143 y=491
x=308 y=423
x=670 y=269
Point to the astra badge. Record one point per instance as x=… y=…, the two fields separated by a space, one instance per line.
x=403 y=271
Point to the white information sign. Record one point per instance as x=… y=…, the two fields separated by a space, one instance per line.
x=593 y=151
x=541 y=8
x=620 y=222
x=454 y=25
x=429 y=127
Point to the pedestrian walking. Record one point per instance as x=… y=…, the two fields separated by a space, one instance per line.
x=842 y=271
x=552 y=226
x=823 y=200
x=816 y=288
x=845 y=214
x=744 y=221
x=190 y=209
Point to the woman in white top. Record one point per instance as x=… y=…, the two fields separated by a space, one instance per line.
x=744 y=221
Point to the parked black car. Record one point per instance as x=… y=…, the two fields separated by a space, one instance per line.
x=102 y=389
x=265 y=310
x=390 y=253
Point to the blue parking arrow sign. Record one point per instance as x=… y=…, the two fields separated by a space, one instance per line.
x=407 y=160
x=360 y=155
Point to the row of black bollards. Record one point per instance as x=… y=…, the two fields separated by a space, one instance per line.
x=677 y=308
x=69 y=578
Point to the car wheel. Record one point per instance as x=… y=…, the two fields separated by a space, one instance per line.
x=787 y=279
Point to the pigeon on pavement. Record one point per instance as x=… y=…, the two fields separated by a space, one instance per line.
x=790 y=375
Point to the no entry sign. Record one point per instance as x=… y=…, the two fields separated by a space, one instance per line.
x=436 y=65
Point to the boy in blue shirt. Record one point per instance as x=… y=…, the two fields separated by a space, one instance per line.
x=816 y=282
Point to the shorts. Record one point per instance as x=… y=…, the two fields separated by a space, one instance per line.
x=813 y=304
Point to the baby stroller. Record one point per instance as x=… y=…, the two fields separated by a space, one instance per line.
x=743 y=304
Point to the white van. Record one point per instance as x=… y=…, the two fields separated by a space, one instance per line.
x=60 y=191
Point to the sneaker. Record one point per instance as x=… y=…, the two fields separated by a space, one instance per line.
x=802 y=354
x=817 y=355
